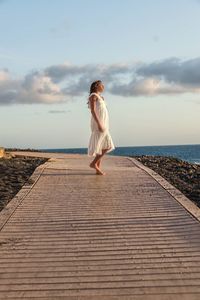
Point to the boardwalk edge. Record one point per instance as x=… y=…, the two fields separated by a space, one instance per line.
x=12 y=205
x=190 y=206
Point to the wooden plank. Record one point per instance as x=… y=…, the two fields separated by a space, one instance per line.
x=77 y=235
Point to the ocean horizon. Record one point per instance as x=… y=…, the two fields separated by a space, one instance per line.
x=189 y=152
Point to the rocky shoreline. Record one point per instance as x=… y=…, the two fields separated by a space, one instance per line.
x=18 y=149
x=183 y=175
x=14 y=172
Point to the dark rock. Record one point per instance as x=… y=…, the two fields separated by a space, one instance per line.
x=14 y=173
x=183 y=175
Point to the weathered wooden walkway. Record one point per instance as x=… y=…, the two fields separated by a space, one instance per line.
x=72 y=234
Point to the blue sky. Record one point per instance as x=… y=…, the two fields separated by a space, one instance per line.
x=147 y=53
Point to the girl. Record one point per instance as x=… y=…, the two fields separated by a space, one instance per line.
x=100 y=140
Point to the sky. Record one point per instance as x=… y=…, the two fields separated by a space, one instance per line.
x=147 y=53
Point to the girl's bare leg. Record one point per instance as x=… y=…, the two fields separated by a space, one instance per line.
x=99 y=160
x=94 y=165
x=96 y=162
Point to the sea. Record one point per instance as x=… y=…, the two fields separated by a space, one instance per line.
x=189 y=153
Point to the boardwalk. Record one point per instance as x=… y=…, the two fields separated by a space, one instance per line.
x=71 y=234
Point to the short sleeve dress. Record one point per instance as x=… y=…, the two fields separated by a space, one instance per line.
x=100 y=140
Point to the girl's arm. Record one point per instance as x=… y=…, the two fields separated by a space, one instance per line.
x=92 y=100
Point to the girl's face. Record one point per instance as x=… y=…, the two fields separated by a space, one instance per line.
x=101 y=87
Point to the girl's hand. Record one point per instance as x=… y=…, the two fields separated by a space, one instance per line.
x=101 y=128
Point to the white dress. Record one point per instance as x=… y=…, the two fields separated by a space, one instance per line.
x=100 y=140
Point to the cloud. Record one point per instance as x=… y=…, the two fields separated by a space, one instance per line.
x=58 y=111
x=61 y=83
x=33 y=88
x=4 y=75
x=173 y=70
x=168 y=76
x=136 y=87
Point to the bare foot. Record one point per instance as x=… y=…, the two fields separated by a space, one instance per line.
x=98 y=171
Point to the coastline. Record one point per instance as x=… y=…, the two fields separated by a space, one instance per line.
x=181 y=174
x=14 y=173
